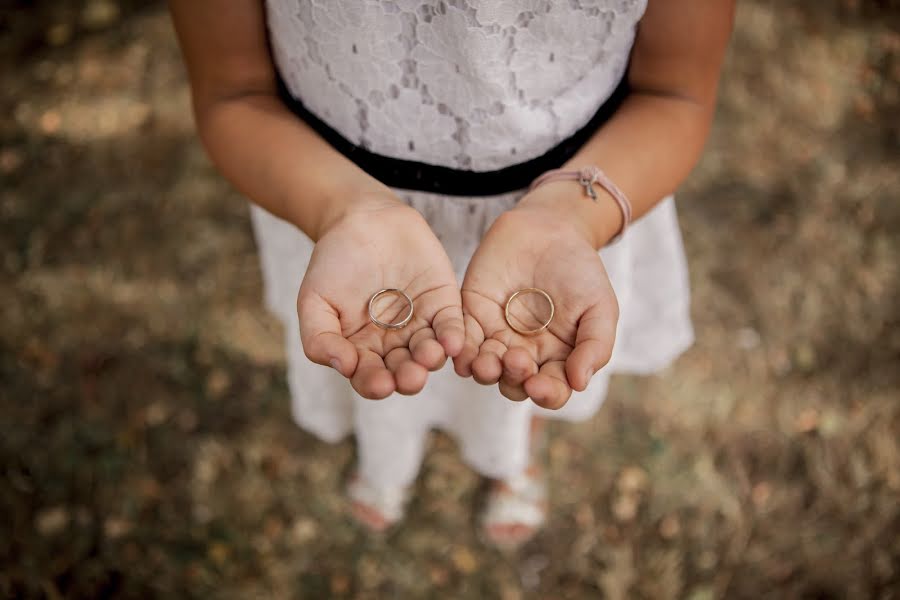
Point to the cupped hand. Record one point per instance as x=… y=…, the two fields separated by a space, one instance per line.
x=536 y=245
x=380 y=243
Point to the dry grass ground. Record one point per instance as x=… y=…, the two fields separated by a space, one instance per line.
x=145 y=443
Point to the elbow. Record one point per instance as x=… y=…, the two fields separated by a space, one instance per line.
x=208 y=97
x=212 y=107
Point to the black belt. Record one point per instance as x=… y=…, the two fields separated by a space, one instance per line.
x=414 y=175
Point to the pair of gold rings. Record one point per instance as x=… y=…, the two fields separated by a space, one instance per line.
x=409 y=313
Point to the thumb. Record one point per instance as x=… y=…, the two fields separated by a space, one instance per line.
x=321 y=336
x=593 y=344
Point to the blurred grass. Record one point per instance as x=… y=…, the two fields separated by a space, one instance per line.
x=145 y=444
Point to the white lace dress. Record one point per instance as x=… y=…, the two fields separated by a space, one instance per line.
x=475 y=85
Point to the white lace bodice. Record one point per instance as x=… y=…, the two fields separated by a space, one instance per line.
x=469 y=84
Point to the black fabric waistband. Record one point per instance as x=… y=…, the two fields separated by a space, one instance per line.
x=414 y=175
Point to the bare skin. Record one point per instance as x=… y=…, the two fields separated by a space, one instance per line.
x=380 y=247
x=544 y=367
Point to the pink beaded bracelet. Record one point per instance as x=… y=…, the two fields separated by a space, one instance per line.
x=587 y=176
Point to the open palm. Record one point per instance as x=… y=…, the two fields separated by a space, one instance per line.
x=535 y=247
x=385 y=246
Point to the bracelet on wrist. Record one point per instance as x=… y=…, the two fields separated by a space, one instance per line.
x=587 y=177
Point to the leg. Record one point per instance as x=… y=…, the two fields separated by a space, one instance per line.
x=390 y=447
x=517 y=507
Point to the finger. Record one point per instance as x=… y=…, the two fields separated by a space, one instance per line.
x=549 y=387
x=516 y=393
x=487 y=366
x=449 y=329
x=593 y=345
x=409 y=376
x=462 y=362
x=426 y=350
x=517 y=367
x=320 y=334
x=372 y=379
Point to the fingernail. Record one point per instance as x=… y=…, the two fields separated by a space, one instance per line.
x=336 y=365
x=588 y=375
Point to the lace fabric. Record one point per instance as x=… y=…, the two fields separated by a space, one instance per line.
x=468 y=84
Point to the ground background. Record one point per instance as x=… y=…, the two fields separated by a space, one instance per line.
x=145 y=443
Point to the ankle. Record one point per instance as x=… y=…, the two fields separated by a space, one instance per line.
x=376 y=507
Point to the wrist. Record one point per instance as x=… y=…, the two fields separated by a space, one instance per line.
x=597 y=222
x=347 y=202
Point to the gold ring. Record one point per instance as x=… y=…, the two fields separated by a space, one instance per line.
x=399 y=324
x=530 y=291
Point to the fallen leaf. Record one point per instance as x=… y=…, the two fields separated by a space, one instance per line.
x=52 y=520
x=114 y=527
x=218 y=553
x=632 y=479
x=669 y=527
x=464 y=560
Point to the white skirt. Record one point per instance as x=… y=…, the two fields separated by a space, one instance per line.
x=648 y=272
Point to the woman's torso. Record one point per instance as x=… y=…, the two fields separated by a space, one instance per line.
x=468 y=84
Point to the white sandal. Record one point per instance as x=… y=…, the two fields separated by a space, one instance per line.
x=376 y=509
x=519 y=502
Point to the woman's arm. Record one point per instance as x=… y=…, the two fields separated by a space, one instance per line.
x=264 y=150
x=656 y=137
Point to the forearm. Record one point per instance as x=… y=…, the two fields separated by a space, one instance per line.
x=280 y=163
x=647 y=149
x=269 y=154
x=654 y=140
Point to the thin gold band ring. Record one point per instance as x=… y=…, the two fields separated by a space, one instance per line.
x=529 y=291
x=399 y=324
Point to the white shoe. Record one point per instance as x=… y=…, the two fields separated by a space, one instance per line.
x=516 y=509
x=376 y=509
